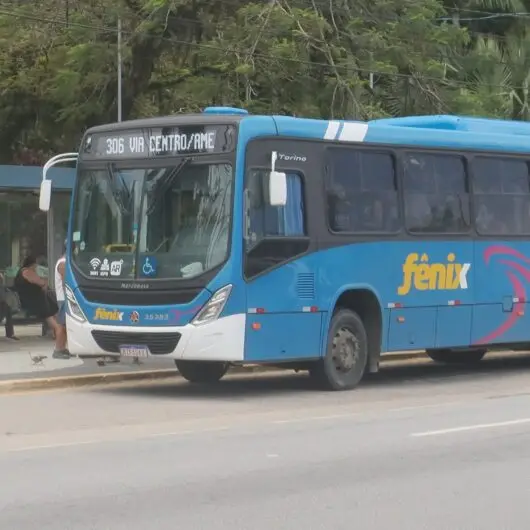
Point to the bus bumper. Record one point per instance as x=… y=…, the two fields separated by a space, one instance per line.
x=220 y=340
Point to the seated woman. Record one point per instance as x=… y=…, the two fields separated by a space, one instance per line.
x=34 y=298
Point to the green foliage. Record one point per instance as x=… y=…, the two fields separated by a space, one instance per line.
x=342 y=59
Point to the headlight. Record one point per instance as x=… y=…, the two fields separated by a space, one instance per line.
x=213 y=307
x=74 y=309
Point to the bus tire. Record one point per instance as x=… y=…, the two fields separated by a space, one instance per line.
x=457 y=356
x=205 y=372
x=346 y=356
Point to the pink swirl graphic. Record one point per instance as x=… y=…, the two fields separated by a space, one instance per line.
x=502 y=249
x=517 y=285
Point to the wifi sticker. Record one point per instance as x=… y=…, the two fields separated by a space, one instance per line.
x=95 y=264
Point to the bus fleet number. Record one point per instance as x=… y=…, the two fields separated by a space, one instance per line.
x=115 y=146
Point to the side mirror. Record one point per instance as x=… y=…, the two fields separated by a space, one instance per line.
x=277 y=188
x=277 y=184
x=45 y=195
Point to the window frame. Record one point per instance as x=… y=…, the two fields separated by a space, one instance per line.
x=303 y=183
x=306 y=237
x=500 y=157
x=405 y=152
x=86 y=281
x=326 y=180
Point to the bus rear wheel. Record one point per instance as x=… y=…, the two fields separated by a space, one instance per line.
x=456 y=356
x=202 y=371
x=346 y=357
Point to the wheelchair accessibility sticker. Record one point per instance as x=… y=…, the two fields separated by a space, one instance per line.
x=149 y=267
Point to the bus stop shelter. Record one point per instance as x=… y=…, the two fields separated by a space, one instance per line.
x=24 y=229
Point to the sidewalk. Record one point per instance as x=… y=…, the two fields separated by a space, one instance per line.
x=30 y=359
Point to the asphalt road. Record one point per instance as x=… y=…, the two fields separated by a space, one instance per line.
x=418 y=447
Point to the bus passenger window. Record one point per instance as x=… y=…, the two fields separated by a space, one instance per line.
x=435 y=191
x=361 y=191
x=501 y=190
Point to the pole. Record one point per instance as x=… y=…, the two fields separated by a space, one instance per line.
x=119 y=69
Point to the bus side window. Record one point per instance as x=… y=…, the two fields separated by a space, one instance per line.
x=435 y=191
x=275 y=221
x=502 y=196
x=361 y=191
x=379 y=192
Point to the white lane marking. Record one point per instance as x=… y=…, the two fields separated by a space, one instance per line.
x=472 y=428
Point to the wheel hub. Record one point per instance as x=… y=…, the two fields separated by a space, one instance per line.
x=345 y=350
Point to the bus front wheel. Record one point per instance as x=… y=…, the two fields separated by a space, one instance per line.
x=456 y=356
x=346 y=356
x=202 y=371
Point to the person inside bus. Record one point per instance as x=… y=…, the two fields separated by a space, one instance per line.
x=340 y=208
x=418 y=186
x=492 y=211
x=34 y=298
x=371 y=209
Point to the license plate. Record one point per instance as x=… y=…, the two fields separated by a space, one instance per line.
x=134 y=351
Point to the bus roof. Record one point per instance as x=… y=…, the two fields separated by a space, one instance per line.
x=458 y=123
x=450 y=132
x=435 y=131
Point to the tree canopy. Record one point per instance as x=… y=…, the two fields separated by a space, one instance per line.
x=316 y=58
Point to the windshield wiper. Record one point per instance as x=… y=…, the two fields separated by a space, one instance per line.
x=166 y=184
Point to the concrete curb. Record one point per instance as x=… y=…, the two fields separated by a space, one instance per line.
x=72 y=381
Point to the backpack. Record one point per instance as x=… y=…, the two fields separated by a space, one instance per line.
x=12 y=300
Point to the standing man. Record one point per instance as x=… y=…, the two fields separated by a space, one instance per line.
x=61 y=351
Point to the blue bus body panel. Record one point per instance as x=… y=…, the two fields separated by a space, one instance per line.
x=280 y=303
x=424 y=305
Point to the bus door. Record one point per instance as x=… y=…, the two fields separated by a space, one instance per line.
x=281 y=324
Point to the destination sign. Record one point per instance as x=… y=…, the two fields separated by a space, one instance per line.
x=154 y=143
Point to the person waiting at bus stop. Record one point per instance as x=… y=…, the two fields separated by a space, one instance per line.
x=6 y=312
x=60 y=344
x=34 y=298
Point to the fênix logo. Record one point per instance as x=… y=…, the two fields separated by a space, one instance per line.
x=105 y=314
x=420 y=274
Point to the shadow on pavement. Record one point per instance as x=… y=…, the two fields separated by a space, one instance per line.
x=278 y=383
x=229 y=389
x=492 y=365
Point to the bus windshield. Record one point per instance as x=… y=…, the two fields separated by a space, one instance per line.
x=163 y=222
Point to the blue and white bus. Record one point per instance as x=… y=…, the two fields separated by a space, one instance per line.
x=226 y=238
